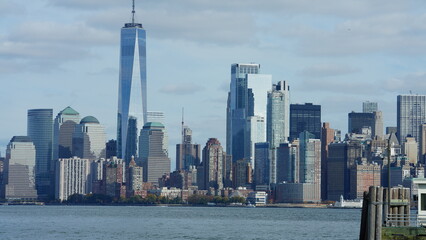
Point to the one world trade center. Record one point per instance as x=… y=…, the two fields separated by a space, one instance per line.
x=132 y=105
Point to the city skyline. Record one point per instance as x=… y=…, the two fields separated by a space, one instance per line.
x=64 y=70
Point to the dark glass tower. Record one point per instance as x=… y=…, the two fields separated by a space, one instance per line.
x=132 y=98
x=40 y=130
x=305 y=117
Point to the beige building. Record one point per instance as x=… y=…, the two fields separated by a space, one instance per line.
x=411 y=149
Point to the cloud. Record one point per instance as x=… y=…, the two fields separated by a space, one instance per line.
x=181 y=89
x=327 y=70
x=413 y=82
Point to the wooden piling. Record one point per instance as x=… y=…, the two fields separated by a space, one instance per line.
x=372 y=214
x=407 y=207
x=401 y=208
x=364 y=216
x=379 y=211
x=385 y=206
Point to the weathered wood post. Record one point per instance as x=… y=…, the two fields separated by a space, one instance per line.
x=407 y=207
x=364 y=216
x=379 y=210
x=386 y=206
x=372 y=214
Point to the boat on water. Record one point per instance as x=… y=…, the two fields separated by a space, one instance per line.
x=249 y=205
x=342 y=203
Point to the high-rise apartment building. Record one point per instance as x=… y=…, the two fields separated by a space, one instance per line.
x=411 y=113
x=134 y=182
x=358 y=121
x=305 y=117
x=213 y=157
x=187 y=153
x=327 y=137
x=40 y=130
x=72 y=177
x=153 y=153
x=63 y=130
x=362 y=177
x=369 y=107
x=132 y=91
x=89 y=139
x=19 y=170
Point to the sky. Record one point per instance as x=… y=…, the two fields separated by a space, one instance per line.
x=59 y=53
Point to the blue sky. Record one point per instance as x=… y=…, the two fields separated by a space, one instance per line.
x=338 y=54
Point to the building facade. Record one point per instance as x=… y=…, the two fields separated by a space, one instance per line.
x=369 y=107
x=132 y=91
x=327 y=137
x=40 y=130
x=358 y=121
x=153 y=153
x=187 y=153
x=305 y=117
x=19 y=170
x=411 y=113
x=63 y=129
x=73 y=176
x=89 y=139
x=262 y=167
x=213 y=157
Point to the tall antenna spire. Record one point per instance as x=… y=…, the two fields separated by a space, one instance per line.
x=133 y=13
x=183 y=134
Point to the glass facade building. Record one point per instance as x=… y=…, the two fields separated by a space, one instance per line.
x=40 y=130
x=278 y=117
x=132 y=92
x=305 y=117
x=411 y=113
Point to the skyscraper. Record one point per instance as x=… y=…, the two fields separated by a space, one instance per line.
x=132 y=92
x=19 y=170
x=246 y=110
x=369 y=107
x=305 y=117
x=262 y=169
x=63 y=129
x=411 y=113
x=278 y=116
x=40 y=130
x=89 y=139
x=327 y=137
x=187 y=153
x=373 y=120
x=213 y=157
x=153 y=152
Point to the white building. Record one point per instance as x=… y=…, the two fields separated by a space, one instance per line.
x=72 y=177
x=257 y=198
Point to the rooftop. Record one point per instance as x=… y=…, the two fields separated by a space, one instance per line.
x=89 y=119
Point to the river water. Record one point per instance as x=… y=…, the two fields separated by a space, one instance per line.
x=140 y=222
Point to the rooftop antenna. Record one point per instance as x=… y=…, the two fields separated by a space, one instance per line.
x=183 y=122
x=133 y=13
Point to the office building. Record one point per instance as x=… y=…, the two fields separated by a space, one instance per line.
x=390 y=130
x=262 y=167
x=213 y=157
x=132 y=91
x=153 y=153
x=342 y=156
x=19 y=170
x=63 y=129
x=358 y=121
x=327 y=137
x=310 y=162
x=156 y=116
x=411 y=113
x=114 y=176
x=369 y=107
x=422 y=143
x=187 y=153
x=73 y=177
x=111 y=148
x=278 y=116
x=305 y=117
x=411 y=150
x=288 y=162
x=40 y=131
x=247 y=98
x=242 y=174
x=89 y=139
